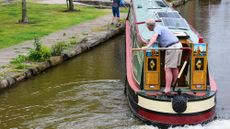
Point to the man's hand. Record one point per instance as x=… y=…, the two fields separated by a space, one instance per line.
x=144 y=47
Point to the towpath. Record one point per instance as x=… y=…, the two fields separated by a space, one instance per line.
x=80 y=31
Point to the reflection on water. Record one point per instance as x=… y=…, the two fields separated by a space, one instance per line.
x=86 y=104
x=212 y=18
x=87 y=92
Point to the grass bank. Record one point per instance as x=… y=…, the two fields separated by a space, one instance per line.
x=44 y=19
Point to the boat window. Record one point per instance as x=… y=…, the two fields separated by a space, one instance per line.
x=181 y=35
x=172 y=14
x=179 y=23
x=139 y=6
x=161 y=4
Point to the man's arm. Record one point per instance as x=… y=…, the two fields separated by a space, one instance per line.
x=152 y=40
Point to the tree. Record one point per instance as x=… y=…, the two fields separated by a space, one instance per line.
x=24 y=13
x=70 y=5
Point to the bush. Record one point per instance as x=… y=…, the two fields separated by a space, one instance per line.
x=19 y=62
x=73 y=41
x=40 y=55
x=20 y=66
x=19 y=59
x=40 y=52
x=57 y=49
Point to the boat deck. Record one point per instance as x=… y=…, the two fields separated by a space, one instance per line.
x=185 y=91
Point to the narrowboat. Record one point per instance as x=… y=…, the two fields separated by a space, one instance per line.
x=193 y=99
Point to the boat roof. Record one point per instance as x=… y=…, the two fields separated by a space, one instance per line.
x=164 y=15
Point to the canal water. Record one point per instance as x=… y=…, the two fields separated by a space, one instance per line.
x=211 y=18
x=87 y=91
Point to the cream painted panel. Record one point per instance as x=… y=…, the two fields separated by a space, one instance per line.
x=166 y=107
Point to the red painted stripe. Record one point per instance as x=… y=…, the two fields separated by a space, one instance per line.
x=143 y=22
x=212 y=84
x=129 y=66
x=140 y=22
x=177 y=120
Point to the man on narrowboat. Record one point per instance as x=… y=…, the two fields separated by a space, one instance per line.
x=166 y=39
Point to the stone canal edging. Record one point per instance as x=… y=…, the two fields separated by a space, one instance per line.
x=85 y=44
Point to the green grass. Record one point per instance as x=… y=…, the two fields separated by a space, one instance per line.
x=44 y=19
x=124 y=9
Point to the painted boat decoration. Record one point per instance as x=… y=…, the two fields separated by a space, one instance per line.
x=193 y=101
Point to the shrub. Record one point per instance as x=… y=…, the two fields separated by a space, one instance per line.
x=73 y=41
x=40 y=52
x=40 y=55
x=37 y=44
x=20 y=66
x=57 y=49
x=19 y=59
